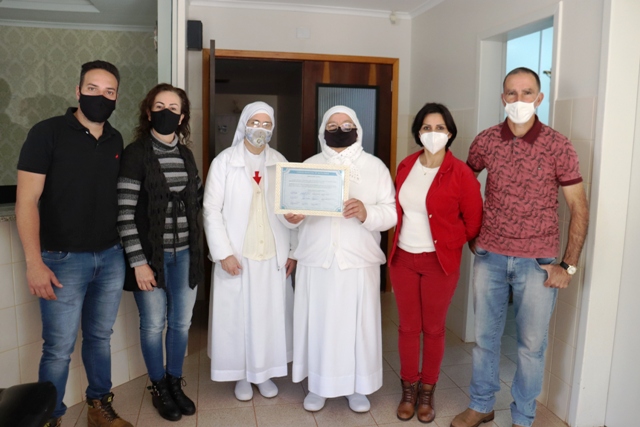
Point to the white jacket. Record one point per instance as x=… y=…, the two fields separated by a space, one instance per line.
x=227 y=201
x=352 y=243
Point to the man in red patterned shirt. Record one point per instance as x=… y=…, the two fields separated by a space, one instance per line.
x=526 y=161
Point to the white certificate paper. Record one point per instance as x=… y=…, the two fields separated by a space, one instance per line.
x=311 y=189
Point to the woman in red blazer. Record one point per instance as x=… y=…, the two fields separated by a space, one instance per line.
x=439 y=209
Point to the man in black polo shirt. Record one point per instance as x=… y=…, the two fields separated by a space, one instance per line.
x=66 y=213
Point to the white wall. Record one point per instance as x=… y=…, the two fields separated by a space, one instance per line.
x=21 y=339
x=444 y=69
x=263 y=30
x=607 y=372
x=444 y=47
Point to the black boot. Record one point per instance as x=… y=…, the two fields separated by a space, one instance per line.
x=162 y=400
x=186 y=405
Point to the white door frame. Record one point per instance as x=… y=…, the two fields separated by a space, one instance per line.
x=608 y=228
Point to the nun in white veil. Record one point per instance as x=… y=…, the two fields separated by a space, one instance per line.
x=337 y=326
x=251 y=299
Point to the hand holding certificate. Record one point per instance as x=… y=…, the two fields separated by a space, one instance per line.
x=311 y=189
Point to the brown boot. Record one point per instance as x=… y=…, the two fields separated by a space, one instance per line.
x=407 y=406
x=54 y=422
x=426 y=403
x=471 y=418
x=102 y=414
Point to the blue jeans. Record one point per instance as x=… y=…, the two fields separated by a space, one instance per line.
x=493 y=274
x=92 y=289
x=173 y=306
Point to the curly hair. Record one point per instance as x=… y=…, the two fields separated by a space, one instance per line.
x=143 y=130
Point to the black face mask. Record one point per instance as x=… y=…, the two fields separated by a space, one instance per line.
x=340 y=139
x=97 y=109
x=165 y=122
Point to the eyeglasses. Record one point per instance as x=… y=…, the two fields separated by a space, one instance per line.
x=259 y=124
x=345 y=127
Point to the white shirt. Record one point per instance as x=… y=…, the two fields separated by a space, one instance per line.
x=415 y=234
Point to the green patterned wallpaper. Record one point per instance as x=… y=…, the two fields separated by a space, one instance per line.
x=40 y=69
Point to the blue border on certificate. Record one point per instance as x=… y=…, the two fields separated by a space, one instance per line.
x=311 y=189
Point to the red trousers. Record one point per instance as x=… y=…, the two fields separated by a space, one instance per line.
x=423 y=293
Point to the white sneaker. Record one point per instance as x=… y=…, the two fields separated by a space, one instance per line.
x=268 y=389
x=359 y=402
x=313 y=402
x=243 y=390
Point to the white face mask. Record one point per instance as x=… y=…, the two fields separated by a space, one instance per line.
x=257 y=136
x=520 y=112
x=434 y=141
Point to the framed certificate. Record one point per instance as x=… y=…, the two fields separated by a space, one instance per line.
x=310 y=189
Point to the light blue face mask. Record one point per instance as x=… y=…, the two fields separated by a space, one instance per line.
x=257 y=136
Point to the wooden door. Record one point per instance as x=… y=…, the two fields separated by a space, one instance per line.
x=360 y=74
x=381 y=73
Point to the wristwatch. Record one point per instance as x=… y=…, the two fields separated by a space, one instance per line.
x=571 y=269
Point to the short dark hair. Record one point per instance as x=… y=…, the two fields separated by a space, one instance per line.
x=521 y=70
x=99 y=65
x=434 y=108
x=143 y=130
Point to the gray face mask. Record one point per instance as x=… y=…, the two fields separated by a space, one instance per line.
x=257 y=137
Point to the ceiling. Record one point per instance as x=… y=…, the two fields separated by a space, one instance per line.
x=401 y=8
x=89 y=14
x=141 y=14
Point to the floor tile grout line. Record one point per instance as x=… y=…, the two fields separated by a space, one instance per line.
x=144 y=388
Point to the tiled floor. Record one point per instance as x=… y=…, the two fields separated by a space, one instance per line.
x=217 y=406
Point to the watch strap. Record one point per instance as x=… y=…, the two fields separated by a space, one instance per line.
x=571 y=269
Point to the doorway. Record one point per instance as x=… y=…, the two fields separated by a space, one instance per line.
x=297 y=81
x=534 y=50
x=240 y=81
x=279 y=74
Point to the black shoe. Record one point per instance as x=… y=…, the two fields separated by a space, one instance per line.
x=162 y=400
x=186 y=405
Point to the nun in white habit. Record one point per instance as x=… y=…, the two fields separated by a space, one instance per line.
x=337 y=326
x=251 y=300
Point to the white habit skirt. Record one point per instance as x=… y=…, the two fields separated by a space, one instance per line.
x=250 y=315
x=337 y=332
